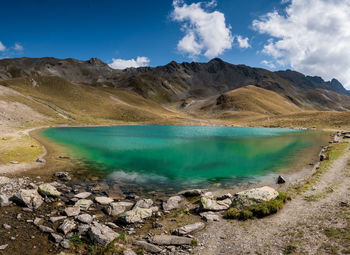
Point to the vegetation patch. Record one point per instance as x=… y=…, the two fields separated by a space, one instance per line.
x=259 y=210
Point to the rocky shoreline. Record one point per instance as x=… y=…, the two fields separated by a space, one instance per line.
x=68 y=213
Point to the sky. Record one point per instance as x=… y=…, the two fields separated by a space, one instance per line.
x=312 y=37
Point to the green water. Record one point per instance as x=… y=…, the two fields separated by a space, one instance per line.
x=183 y=155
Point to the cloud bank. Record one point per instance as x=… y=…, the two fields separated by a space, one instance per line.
x=311 y=36
x=206 y=32
x=125 y=63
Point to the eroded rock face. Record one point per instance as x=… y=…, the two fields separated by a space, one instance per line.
x=101 y=234
x=253 y=196
x=209 y=204
x=47 y=189
x=29 y=198
x=172 y=203
x=170 y=240
x=136 y=215
x=188 y=229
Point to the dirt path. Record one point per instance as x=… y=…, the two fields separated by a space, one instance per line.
x=314 y=222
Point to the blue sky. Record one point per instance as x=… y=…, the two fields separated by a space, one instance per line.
x=137 y=28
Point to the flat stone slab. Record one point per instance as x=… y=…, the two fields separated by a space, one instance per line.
x=189 y=229
x=85 y=218
x=104 y=200
x=72 y=211
x=84 y=204
x=101 y=234
x=170 y=240
x=149 y=247
x=83 y=195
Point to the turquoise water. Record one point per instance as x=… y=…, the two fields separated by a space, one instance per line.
x=181 y=155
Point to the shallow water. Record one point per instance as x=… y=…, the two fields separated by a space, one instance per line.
x=184 y=156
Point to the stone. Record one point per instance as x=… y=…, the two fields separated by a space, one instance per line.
x=111 y=225
x=40 y=160
x=56 y=237
x=4 y=200
x=67 y=226
x=85 y=218
x=188 y=229
x=129 y=252
x=64 y=176
x=148 y=247
x=103 y=200
x=83 y=229
x=29 y=198
x=172 y=203
x=280 y=180
x=170 y=240
x=6 y=226
x=209 y=216
x=253 y=196
x=4 y=180
x=72 y=211
x=144 y=203
x=137 y=215
x=191 y=193
x=84 y=204
x=225 y=196
x=3 y=247
x=208 y=204
x=57 y=218
x=47 y=189
x=101 y=234
x=65 y=243
x=46 y=229
x=116 y=208
x=37 y=221
x=83 y=195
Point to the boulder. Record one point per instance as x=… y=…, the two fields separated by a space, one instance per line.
x=117 y=208
x=253 y=196
x=136 y=215
x=67 y=226
x=209 y=204
x=191 y=193
x=104 y=200
x=85 y=218
x=170 y=240
x=188 y=229
x=4 y=200
x=47 y=189
x=64 y=176
x=84 y=204
x=172 y=203
x=101 y=234
x=72 y=211
x=209 y=216
x=29 y=198
x=149 y=247
x=144 y=203
x=83 y=195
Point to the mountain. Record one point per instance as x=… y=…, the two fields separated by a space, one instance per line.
x=214 y=90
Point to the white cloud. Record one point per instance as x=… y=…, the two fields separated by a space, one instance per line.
x=206 y=33
x=2 y=46
x=18 y=47
x=125 y=63
x=268 y=64
x=243 y=42
x=311 y=36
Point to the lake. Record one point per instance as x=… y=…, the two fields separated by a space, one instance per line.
x=185 y=156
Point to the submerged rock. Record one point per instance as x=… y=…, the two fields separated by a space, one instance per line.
x=170 y=240
x=253 y=196
x=101 y=234
x=47 y=189
x=29 y=198
x=172 y=203
x=188 y=229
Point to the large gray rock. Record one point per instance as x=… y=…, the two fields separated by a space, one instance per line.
x=72 y=211
x=47 y=189
x=56 y=238
x=83 y=195
x=104 y=200
x=149 y=247
x=101 y=234
x=117 y=208
x=84 y=204
x=67 y=226
x=209 y=216
x=172 y=203
x=136 y=215
x=4 y=200
x=29 y=198
x=209 y=204
x=253 y=196
x=46 y=229
x=85 y=218
x=144 y=203
x=170 y=240
x=188 y=229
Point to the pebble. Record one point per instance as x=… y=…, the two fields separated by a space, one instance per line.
x=58 y=218
x=3 y=247
x=6 y=226
x=65 y=244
